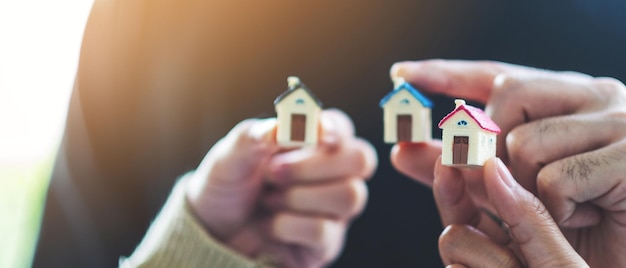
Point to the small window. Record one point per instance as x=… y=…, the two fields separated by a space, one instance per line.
x=462 y=123
x=299 y=101
x=404 y=102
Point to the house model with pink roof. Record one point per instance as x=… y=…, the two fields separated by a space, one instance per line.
x=469 y=136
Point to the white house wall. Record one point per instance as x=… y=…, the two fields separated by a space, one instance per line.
x=288 y=106
x=487 y=148
x=421 y=118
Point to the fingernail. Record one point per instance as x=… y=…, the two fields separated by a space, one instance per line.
x=261 y=129
x=396 y=70
x=504 y=173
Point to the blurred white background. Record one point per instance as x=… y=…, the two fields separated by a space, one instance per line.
x=39 y=47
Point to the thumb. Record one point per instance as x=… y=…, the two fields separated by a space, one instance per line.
x=224 y=188
x=531 y=227
x=240 y=156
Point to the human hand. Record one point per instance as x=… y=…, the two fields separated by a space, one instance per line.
x=293 y=206
x=579 y=177
x=532 y=239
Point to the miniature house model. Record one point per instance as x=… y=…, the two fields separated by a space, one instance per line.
x=469 y=136
x=298 y=112
x=406 y=114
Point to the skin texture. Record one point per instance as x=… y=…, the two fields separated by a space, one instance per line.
x=292 y=206
x=562 y=138
x=536 y=241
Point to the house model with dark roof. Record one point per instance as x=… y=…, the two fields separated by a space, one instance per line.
x=407 y=114
x=469 y=136
x=298 y=113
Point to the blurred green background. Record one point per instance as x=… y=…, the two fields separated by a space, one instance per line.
x=22 y=193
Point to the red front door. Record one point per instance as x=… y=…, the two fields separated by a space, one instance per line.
x=404 y=126
x=298 y=126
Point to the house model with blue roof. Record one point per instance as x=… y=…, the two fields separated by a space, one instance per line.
x=298 y=115
x=407 y=114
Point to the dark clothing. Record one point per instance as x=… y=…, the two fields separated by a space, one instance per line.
x=160 y=81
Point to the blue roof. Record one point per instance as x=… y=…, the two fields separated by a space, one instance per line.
x=406 y=86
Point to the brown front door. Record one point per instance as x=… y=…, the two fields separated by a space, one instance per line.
x=404 y=127
x=459 y=149
x=298 y=126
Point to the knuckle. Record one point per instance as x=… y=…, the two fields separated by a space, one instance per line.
x=618 y=116
x=322 y=232
x=240 y=132
x=506 y=87
x=367 y=159
x=355 y=197
x=546 y=181
x=517 y=144
x=608 y=83
x=505 y=82
x=609 y=89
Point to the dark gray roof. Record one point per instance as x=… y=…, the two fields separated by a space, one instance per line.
x=292 y=89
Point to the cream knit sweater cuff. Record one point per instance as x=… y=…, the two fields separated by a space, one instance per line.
x=177 y=239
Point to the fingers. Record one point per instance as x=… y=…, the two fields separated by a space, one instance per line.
x=323 y=236
x=340 y=200
x=355 y=158
x=518 y=98
x=577 y=188
x=336 y=122
x=417 y=160
x=533 y=145
x=531 y=227
x=456 y=205
x=339 y=155
x=229 y=173
x=453 y=202
x=462 y=244
x=241 y=154
x=462 y=79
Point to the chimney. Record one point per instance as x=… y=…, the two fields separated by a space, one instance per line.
x=397 y=81
x=293 y=82
x=459 y=102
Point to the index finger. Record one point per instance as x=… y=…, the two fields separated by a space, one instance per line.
x=339 y=155
x=471 y=80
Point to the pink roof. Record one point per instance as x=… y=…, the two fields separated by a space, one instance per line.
x=477 y=114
